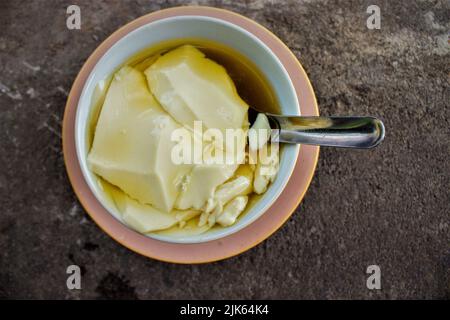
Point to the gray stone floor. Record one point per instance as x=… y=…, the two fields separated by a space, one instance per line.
x=388 y=206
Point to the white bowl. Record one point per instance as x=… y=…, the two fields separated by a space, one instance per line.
x=193 y=27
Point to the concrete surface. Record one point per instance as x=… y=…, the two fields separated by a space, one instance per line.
x=388 y=206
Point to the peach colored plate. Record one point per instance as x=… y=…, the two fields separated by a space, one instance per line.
x=235 y=243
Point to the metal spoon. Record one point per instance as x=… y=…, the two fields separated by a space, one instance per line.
x=345 y=132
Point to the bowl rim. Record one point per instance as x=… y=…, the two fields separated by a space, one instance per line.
x=190 y=253
x=288 y=161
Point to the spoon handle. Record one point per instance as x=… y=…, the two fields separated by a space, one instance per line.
x=345 y=132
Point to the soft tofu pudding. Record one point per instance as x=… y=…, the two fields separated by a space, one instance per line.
x=180 y=102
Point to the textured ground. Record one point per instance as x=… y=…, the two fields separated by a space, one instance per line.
x=388 y=206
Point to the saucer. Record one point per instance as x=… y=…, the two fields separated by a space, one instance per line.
x=233 y=244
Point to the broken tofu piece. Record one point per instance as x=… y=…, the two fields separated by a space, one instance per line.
x=266 y=169
x=132 y=144
x=145 y=218
x=228 y=191
x=224 y=193
x=191 y=87
x=201 y=183
x=259 y=132
x=232 y=210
